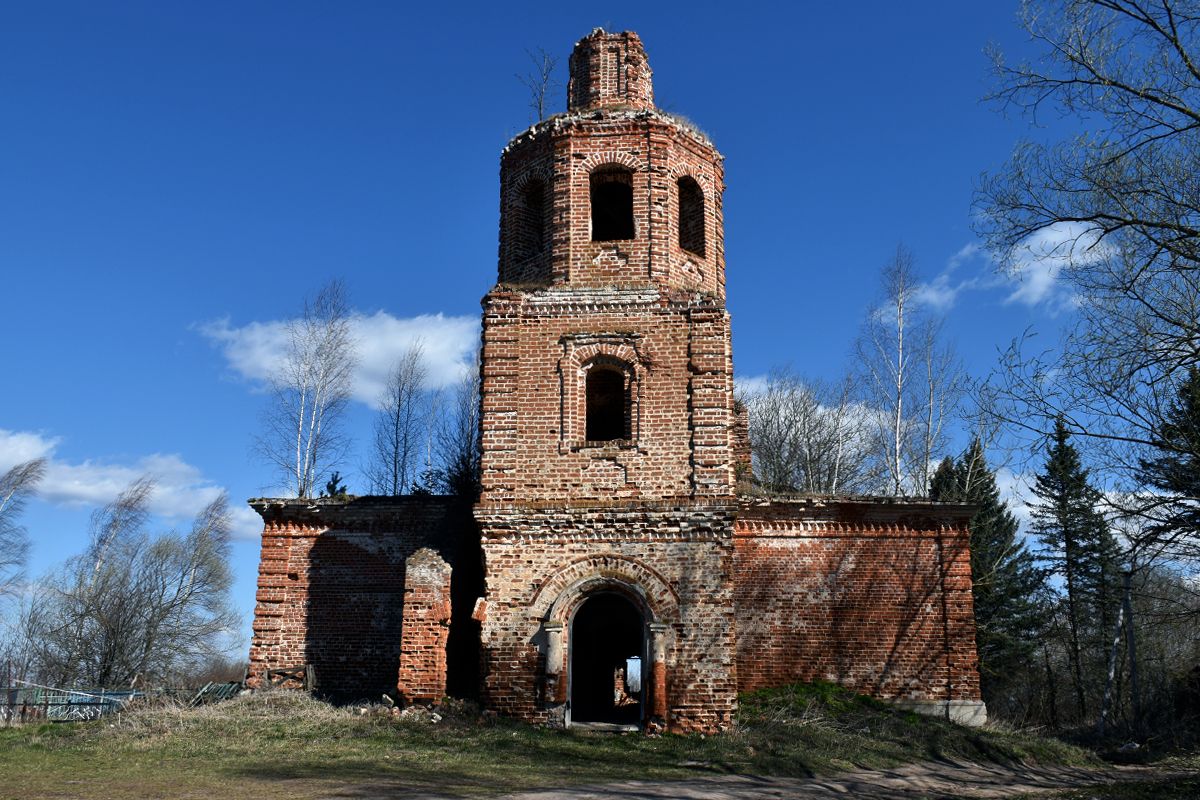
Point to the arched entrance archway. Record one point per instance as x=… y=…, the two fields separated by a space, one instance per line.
x=607 y=647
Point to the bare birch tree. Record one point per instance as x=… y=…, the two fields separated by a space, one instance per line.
x=145 y=609
x=912 y=380
x=885 y=357
x=401 y=426
x=942 y=388
x=114 y=522
x=808 y=437
x=457 y=439
x=301 y=433
x=16 y=486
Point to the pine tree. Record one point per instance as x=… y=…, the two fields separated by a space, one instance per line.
x=1079 y=549
x=1006 y=582
x=1176 y=470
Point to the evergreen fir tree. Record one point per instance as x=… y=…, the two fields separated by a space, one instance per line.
x=1006 y=582
x=1081 y=550
x=1176 y=470
x=334 y=487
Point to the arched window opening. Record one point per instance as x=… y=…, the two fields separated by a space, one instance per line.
x=691 y=216
x=612 y=204
x=529 y=221
x=607 y=405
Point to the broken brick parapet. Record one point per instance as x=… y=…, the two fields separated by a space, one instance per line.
x=426 y=628
x=332 y=580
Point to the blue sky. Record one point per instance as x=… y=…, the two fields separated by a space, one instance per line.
x=176 y=177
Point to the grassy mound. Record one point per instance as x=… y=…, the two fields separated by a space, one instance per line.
x=819 y=727
x=287 y=745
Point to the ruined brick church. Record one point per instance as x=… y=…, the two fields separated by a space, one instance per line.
x=609 y=572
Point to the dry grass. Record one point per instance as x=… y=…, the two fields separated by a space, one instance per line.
x=287 y=745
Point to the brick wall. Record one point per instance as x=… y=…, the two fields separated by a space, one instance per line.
x=673 y=560
x=873 y=595
x=562 y=152
x=609 y=69
x=332 y=582
x=426 y=627
x=537 y=347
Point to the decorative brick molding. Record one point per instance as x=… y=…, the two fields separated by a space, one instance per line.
x=556 y=598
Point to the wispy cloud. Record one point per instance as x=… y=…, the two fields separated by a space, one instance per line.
x=180 y=491
x=965 y=253
x=939 y=294
x=1034 y=277
x=1042 y=257
x=254 y=351
x=943 y=292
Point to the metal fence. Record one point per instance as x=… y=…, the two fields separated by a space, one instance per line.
x=31 y=703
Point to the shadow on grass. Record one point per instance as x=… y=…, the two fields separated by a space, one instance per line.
x=363 y=778
x=489 y=760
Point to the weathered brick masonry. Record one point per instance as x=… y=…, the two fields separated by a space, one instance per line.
x=610 y=574
x=870 y=594
x=348 y=586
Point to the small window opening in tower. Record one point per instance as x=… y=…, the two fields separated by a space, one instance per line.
x=612 y=204
x=529 y=221
x=691 y=216
x=607 y=404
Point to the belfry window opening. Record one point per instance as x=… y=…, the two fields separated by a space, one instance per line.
x=607 y=404
x=612 y=204
x=691 y=216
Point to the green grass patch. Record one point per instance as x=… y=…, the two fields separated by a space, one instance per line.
x=287 y=745
x=814 y=728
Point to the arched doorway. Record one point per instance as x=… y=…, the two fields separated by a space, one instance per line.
x=607 y=645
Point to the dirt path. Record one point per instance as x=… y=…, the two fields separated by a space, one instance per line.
x=933 y=780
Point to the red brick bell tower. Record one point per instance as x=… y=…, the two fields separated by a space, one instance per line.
x=607 y=409
x=610 y=300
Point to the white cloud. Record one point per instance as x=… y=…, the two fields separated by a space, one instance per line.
x=247 y=524
x=180 y=491
x=1041 y=258
x=941 y=293
x=749 y=385
x=254 y=351
x=938 y=294
x=964 y=254
x=1015 y=491
x=19 y=446
x=449 y=345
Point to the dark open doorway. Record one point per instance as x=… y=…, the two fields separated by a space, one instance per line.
x=607 y=644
